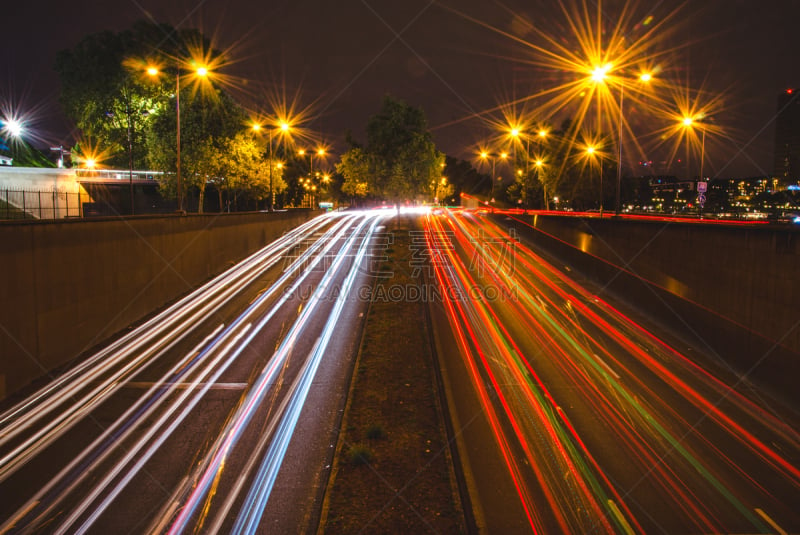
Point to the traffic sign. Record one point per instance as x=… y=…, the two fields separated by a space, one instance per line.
x=701 y=199
x=702 y=187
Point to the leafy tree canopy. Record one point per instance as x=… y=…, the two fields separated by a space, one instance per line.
x=106 y=92
x=400 y=157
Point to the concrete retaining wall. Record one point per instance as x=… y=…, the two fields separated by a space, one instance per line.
x=68 y=285
x=733 y=290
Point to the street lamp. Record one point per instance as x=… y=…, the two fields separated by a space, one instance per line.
x=599 y=75
x=13 y=127
x=202 y=72
x=643 y=77
x=515 y=133
x=320 y=152
x=541 y=135
x=281 y=127
x=700 y=120
x=539 y=163
x=592 y=151
x=485 y=156
x=689 y=122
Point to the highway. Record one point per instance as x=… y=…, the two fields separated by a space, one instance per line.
x=572 y=417
x=218 y=414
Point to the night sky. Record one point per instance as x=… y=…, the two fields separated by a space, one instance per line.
x=456 y=59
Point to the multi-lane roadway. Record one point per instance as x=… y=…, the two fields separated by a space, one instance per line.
x=578 y=419
x=220 y=413
x=217 y=415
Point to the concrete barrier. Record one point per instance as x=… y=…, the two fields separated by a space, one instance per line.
x=70 y=284
x=730 y=290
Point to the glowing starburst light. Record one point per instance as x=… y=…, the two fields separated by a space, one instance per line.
x=600 y=73
x=13 y=127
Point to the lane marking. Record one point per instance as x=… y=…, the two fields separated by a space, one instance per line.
x=771 y=522
x=213 y=386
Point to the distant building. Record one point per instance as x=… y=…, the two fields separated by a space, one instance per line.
x=787 y=137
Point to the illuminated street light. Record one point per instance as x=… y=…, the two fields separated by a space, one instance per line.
x=320 y=152
x=13 y=127
x=599 y=75
x=689 y=122
x=283 y=127
x=592 y=151
x=700 y=119
x=486 y=156
x=203 y=73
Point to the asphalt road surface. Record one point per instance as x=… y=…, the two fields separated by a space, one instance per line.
x=219 y=414
x=571 y=417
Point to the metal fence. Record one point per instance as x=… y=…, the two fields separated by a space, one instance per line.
x=21 y=204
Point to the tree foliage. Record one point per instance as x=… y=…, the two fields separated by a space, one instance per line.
x=354 y=166
x=104 y=89
x=399 y=162
x=117 y=106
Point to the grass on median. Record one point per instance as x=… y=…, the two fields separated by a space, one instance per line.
x=392 y=472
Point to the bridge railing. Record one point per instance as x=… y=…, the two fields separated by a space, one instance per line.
x=26 y=204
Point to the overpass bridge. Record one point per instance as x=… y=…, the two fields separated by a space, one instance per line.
x=57 y=193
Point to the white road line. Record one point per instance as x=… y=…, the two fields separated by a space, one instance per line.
x=213 y=386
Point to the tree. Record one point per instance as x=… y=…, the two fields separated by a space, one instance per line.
x=208 y=121
x=402 y=159
x=354 y=166
x=104 y=92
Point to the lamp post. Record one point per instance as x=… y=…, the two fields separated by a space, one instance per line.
x=202 y=72
x=283 y=127
x=643 y=77
x=320 y=152
x=486 y=156
x=516 y=133
x=591 y=150
x=541 y=135
x=539 y=163
x=700 y=120
x=599 y=75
